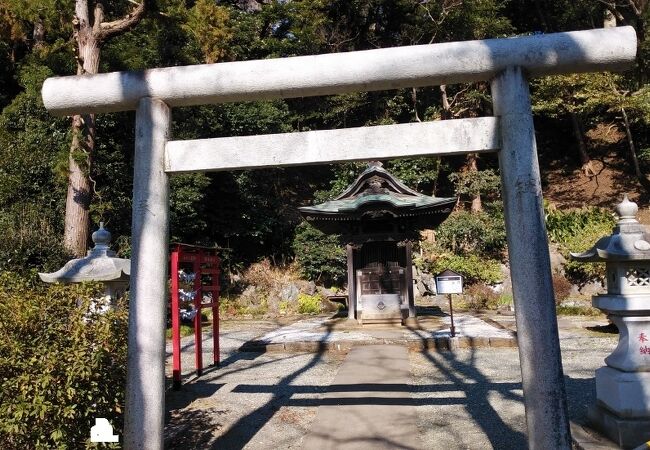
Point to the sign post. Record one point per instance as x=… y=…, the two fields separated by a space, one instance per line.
x=449 y=282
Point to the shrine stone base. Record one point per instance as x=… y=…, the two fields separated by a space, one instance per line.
x=626 y=394
x=626 y=433
x=623 y=409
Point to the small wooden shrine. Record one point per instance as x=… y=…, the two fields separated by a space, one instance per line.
x=378 y=218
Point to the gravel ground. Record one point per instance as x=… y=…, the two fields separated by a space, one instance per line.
x=472 y=399
x=467 y=399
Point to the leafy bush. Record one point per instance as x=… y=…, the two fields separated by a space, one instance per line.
x=505 y=299
x=561 y=288
x=186 y=330
x=244 y=307
x=476 y=182
x=474 y=268
x=309 y=304
x=284 y=306
x=28 y=239
x=320 y=257
x=467 y=233
x=578 y=310
x=61 y=365
x=577 y=231
x=479 y=296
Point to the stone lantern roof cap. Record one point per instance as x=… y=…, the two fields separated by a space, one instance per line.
x=100 y=264
x=629 y=241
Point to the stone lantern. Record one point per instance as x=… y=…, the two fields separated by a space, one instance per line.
x=623 y=385
x=100 y=264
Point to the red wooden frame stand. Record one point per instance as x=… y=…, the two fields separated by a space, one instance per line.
x=206 y=266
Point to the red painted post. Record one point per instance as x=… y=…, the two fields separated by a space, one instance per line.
x=215 y=310
x=176 y=332
x=198 y=298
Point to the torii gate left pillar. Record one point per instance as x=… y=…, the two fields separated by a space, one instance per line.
x=147 y=308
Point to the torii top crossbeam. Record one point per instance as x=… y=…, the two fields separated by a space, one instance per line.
x=336 y=73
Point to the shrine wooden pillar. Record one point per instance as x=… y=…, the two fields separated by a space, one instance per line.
x=352 y=288
x=408 y=247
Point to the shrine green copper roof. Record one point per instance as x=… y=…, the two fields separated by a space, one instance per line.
x=398 y=202
x=376 y=190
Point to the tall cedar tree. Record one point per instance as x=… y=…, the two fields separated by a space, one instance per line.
x=90 y=33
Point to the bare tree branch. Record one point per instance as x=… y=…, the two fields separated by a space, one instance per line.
x=455 y=97
x=98 y=17
x=109 y=29
x=447 y=7
x=414 y=98
x=634 y=7
x=613 y=8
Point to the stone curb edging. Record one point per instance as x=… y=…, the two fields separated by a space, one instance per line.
x=441 y=344
x=585 y=438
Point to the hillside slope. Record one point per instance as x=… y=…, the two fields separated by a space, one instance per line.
x=566 y=186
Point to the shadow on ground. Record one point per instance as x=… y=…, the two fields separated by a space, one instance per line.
x=466 y=377
x=196 y=428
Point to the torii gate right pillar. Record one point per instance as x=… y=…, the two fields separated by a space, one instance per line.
x=530 y=268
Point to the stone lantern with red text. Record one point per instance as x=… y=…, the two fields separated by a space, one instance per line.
x=623 y=385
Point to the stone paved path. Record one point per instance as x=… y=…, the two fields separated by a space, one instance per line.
x=320 y=333
x=369 y=404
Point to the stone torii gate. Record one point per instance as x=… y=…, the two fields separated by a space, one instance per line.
x=507 y=63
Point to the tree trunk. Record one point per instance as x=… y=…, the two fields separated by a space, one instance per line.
x=77 y=205
x=540 y=15
x=446 y=107
x=635 y=161
x=414 y=98
x=89 y=38
x=477 y=204
x=79 y=196
x=38 y=34
x=641 y=57
x=587 y=167
x=609 y=19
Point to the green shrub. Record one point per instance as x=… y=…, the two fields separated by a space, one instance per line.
x=29 y=239
x=474 y=269
x=578 y=310
x=466 y=233
x=505 y=299
x=60 y=365
x=561 y=288
x=320 y=257
x=309 y=304
x=259 y=310
x=577 y=231
x=240 y=307
x=471 y=183
x=479 y=296
x=186 y=330
x=284 y=306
